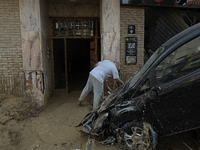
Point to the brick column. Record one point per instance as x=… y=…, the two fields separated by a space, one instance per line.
x=131 y=15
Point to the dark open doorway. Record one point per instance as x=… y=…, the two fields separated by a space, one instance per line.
x=78 y=63
x=59 y=63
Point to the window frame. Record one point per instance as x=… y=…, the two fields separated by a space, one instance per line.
x=95 y=31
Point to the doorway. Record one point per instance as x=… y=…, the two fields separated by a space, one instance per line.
x=76 y=46
x=59 y=63
x=78 y=63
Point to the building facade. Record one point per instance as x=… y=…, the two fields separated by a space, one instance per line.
x=53 y=44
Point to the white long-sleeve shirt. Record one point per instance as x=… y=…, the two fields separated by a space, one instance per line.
x=104 y=70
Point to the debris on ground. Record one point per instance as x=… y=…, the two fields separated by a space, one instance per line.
x=13 y=109
x=111 y=140
x=16 y=108
x=90 y=145
x=53 y=129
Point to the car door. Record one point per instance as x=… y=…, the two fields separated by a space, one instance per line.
x=176 y=108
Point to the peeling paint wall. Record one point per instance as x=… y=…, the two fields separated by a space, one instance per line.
x=34 y=87
x=34 y=79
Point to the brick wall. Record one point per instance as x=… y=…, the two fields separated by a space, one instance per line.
x=131 y=15
x=10 y=39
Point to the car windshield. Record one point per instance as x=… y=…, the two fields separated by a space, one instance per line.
x=137 y=76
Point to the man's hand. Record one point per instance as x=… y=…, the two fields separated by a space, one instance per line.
x=119 y=80
x=96 y=64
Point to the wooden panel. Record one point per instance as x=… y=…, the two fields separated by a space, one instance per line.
x=93 y=52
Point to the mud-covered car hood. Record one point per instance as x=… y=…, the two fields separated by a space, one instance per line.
x=118 y=95
x=115 y=97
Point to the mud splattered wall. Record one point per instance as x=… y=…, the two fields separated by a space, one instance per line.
x=10 y=39
x=131 y=16
x=80 y=8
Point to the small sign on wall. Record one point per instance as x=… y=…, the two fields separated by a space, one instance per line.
x=131 y=50
x=131 y=29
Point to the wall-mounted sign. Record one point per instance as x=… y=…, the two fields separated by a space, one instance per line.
x=167 y=3
x=131 y=50
x=131 y=29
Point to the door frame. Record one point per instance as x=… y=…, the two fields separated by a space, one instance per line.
x=95 y=35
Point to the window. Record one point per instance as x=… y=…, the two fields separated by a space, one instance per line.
x=143 y=88
x=182 y=61
x=85 y=28
x=55 y=28
x=62 y=27
x=77 y=27
x=70 y=28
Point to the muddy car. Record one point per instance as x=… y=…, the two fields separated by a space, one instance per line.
x=161 y=99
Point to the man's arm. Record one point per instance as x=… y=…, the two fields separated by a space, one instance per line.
x=119 y=80
x=95 y=65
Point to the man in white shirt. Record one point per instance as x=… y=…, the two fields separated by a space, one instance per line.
x=103 y=70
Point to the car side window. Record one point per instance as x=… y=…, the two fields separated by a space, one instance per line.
x=180 y=62
x=143 y=88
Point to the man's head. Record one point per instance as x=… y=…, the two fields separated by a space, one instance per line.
x=117 y=64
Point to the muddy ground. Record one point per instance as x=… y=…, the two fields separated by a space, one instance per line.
x=22 y=127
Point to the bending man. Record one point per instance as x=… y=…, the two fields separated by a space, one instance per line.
x=103 y=70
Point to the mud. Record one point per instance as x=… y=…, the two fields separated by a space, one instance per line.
x=16 y=108
x=12 y=111
x=26 y=128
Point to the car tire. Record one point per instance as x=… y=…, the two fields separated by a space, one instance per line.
x=136 y=136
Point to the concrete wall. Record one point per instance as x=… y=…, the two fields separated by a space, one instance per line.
x=80 y=8
x=10 y=39
x=131 y=15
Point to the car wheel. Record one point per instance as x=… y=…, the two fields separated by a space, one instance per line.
x=136 y=136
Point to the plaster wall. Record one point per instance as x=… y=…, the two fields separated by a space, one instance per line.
x=80 y=8
x=110 y=30
x=30 y=34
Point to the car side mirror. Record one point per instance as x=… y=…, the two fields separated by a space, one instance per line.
x=156 y=89
x=154 y=92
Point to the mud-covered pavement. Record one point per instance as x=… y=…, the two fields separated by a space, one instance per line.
x=53 y=128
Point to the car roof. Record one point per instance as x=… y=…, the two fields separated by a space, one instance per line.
x=193 y=29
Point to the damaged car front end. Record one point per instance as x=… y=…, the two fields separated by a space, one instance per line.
x=112 y=122
x=97 y=122
x=161 y=99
